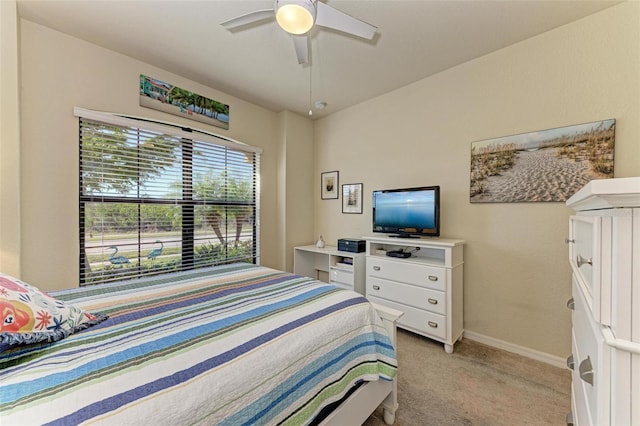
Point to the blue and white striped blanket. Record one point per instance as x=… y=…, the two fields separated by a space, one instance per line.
x=238 y=344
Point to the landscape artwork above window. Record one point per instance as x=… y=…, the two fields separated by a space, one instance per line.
x=544 y=166
x=171 y=99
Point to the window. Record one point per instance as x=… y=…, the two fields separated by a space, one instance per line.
x=157 y=199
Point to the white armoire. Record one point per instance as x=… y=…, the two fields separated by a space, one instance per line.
x=604 y=253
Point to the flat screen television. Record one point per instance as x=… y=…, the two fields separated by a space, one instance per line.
x=407 y=212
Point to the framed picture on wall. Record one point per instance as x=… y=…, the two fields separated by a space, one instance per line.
x=543 y=166
x=165 y=97
x=352 y=198
x=329 y=185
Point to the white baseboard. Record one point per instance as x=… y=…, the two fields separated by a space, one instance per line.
x=520 y=350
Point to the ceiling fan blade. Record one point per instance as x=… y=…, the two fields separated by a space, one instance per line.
x=301 y=44
x=249 y=18
x=329 y=17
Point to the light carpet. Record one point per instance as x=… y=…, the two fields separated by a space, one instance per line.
x=476 y=385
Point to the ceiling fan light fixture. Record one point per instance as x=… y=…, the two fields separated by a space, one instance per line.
x=295 y=16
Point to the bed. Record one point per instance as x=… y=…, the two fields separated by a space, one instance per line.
x=231 y=345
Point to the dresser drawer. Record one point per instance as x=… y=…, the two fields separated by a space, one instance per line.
x=592 y=370
x=579 y=403
x=408 y=272
x=590 y=259
x=635 y=389
x=417 y=320
x=342 y=285
x=342 y=276
x=418 y=297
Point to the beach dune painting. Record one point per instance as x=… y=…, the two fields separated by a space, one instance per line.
x=162 y=96
x=544 y=166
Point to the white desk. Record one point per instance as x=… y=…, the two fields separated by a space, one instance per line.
x=341 y=268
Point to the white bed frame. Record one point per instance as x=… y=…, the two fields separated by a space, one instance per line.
x=364 y=401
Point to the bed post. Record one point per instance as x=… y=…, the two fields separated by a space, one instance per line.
x=389 y=317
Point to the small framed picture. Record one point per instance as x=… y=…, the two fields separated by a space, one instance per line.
x=352 y=198
x=329 y=185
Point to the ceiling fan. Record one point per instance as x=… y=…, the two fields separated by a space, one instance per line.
x=298 y=17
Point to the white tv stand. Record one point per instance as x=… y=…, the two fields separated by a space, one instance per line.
x=426 y=287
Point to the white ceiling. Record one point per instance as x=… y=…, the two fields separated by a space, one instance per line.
x=415 y=39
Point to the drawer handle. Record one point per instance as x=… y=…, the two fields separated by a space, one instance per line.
x=586 y=371
x=570 y=362
x=581 y=261
x=376 y=287
x=433 y=278
x=568 y=241
x=376 y=268
x=433 y=324
x=571 y=304
x=433 y=301
x=569 y=419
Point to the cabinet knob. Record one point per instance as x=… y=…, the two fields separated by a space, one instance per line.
x=376 y=287
x=569 y=418
x=570 y=362
x=432 y=324
x=433 y=278
x=376 y=268
x=571 y=304
x=582 y=261
x=586 y=370
x=432 y=301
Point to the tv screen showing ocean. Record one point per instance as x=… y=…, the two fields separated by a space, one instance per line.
x=405 y=210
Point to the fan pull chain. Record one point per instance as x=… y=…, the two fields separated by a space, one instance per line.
x=310 y=85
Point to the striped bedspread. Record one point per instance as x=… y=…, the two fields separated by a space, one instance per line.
x=237 y=344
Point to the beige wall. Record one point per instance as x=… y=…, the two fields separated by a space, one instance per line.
x=299 y=194
x=9 y=141
x=517 y=277
x=295 y=195
x=60 y=72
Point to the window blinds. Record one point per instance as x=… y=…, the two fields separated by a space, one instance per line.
x=157 y=199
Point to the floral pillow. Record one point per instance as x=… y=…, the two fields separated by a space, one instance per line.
x=29 y=315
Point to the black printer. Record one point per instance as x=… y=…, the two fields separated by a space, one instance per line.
x=353 y=246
